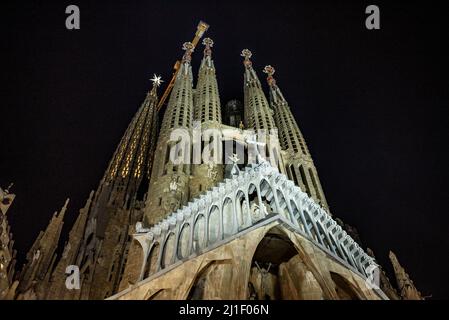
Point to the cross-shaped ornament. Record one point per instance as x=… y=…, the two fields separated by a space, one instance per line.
x=188 y=47
x=269 y=70
x=208 y=42
x=246 y=53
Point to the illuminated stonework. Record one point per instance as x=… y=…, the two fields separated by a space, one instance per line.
x=154 y=229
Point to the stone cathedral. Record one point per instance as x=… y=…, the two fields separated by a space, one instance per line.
x=239 y=228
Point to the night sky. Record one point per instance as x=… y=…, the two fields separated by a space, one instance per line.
x=372 y=105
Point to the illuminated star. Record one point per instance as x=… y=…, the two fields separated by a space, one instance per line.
x=156 y=80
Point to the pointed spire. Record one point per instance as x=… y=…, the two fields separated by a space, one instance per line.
x=292 y=140
x=247 y=54
x=41 y=256
x=405 y=284
x=188 y=48
x=276 y=95
x=208 y=43
x=207 y=98
x=258 y=114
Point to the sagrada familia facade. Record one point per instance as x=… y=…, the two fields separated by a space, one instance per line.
x=235 y=229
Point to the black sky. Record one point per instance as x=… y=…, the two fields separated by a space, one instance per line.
x=371 y=104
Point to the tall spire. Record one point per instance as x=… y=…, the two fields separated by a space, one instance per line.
x=179 y=113
x=290 y=135
x=258 y=114
x=208 y=113
x=169 y=187
x=406 y=287
x=41 y=257
x=118 y=199
x=131 y=162
x=207 y=98
x=57 y=288
x=300 y=167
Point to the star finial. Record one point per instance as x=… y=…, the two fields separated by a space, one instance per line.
x=156 y=80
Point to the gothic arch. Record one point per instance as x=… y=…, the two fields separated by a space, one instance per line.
x=151 y=266
x=168 y=250
x=275 y=264
x=252 y=188
x=229 y=225
x=241 y=203
x=183 y=246
x=199 y=233
x=197 y=291
x=344 y=288
x=214 y=223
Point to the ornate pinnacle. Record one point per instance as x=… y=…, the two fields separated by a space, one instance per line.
x=209 y=43
x=269 y=70
x=246 y=53
x=188 y=48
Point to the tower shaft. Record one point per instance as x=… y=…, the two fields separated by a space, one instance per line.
x=208 y=113
x=297 y=159
x=169 y=186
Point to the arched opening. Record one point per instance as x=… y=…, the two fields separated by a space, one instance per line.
x=345 y=290
x=267 y=196
x=263 y=206
x=241 y=210
x=198 y=290
x=151 y=262
x=184 y=242
x=228 y=217
x=199 y=233
x=274 y=250
x=214 y=224
x=168 y=251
